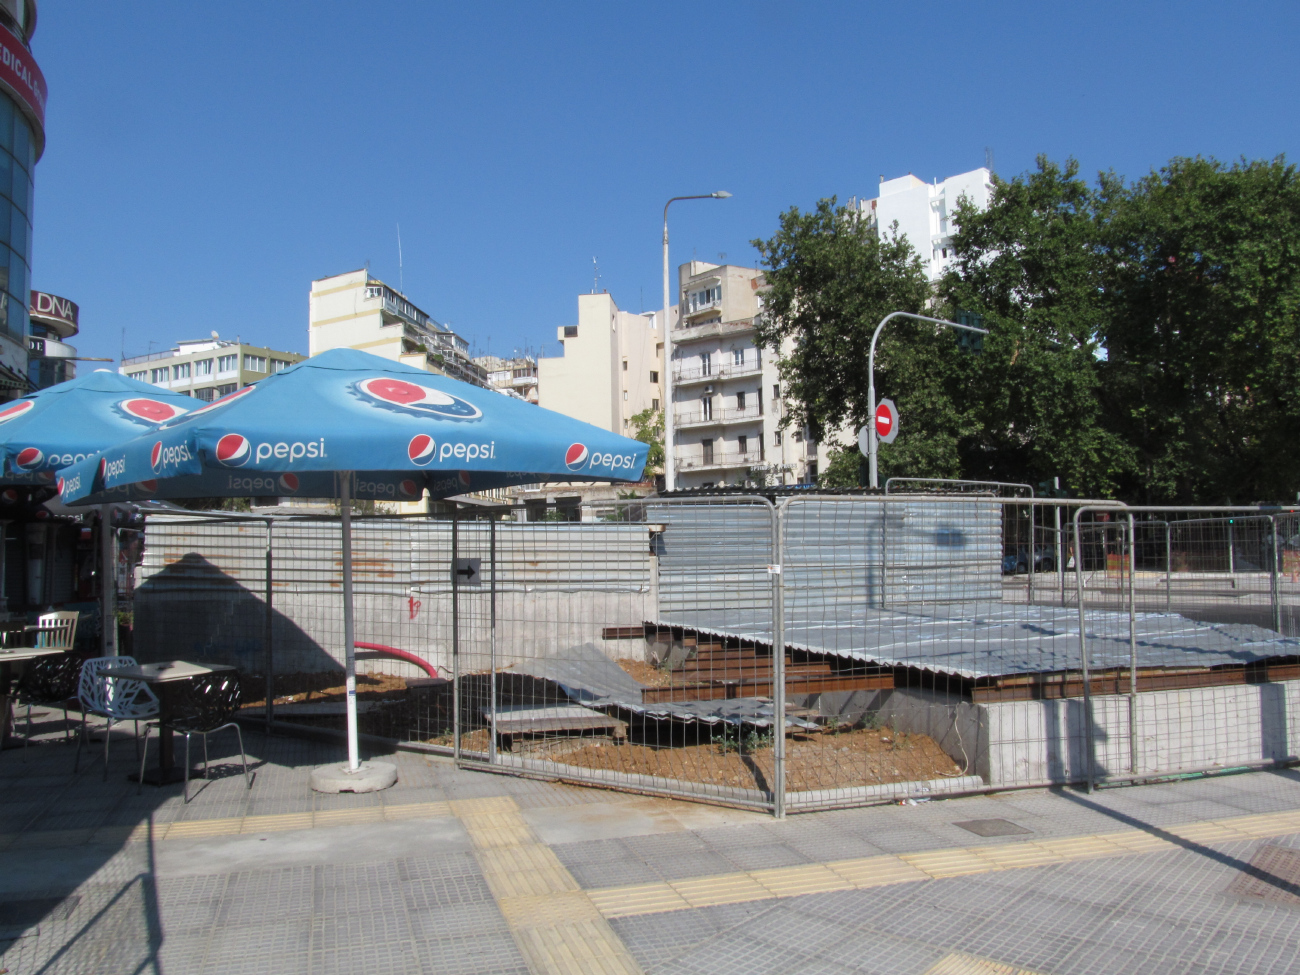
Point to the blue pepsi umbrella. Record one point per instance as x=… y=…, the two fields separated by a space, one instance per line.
x=61 y=425
x=349 y=424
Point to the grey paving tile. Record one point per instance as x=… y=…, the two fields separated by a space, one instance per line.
x=489 y=954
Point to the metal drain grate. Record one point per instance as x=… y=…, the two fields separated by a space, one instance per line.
x=993 y=827
x=1275 y=876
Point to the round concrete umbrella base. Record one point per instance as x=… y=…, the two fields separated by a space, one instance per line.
x=370 y=777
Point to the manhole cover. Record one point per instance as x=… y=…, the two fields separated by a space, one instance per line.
x=992 y=827
x=1274 y=876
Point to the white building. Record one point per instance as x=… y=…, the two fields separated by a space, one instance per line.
x=356 y=311
x=610 y=369
x=727 y=403
x=515 y=377
x=924 y=212
x=208 y=369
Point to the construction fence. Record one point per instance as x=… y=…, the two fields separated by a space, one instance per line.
x=813 y=652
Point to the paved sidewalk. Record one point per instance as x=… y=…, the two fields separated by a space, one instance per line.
x=464 y=872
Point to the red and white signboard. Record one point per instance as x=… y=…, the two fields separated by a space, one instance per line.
x=20 y=74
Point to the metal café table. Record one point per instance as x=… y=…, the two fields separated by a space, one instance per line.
x=165 y=679
x=8 y=658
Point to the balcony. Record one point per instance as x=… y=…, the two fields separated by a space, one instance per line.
x=702 y=329
x=697 y=418
x=698 y=374
x=699 y=460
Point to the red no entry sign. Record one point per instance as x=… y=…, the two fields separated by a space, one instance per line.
x=886 y=420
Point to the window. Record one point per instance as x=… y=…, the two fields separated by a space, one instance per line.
x=207 y=394
x=203 y=367
x=570 y=331
x=625 y=365
x=279 y=365
x=740 y=401
x=798 y=436
x=654 y=404
x=776 y=438
x=706 y=364
x=181 y=371
x=139 y=376
x=625 y=396
x=812 y=472
x=707 y=451
x=160 y=375
x=227 y=388
x=255 y=363
x=227 y=363
x=742 y=444
x=654 y=376
x=737 y=357
x=776 y=391
x=706 y=406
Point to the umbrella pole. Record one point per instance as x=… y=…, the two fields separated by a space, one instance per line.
x=107 y=583
x=349 y=621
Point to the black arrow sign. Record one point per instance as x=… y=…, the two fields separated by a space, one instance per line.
x=467 y=572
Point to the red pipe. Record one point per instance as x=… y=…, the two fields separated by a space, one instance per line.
x=379 y=650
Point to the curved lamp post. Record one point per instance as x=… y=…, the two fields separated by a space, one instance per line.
x=670 y=463
x=871 y=378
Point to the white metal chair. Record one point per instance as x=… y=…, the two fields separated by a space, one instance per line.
x=205 y=707
x=116 y=700
x=55 y=631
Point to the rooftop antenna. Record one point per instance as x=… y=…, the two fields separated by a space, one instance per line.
x=988 y=158
x=401 y=286
x=595 y=276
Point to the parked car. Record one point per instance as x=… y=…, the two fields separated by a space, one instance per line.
x=1018 y=563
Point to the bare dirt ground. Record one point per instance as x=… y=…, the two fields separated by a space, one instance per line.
x=829 y=760
x=647 y=674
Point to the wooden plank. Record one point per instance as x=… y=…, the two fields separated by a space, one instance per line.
x=623 y=632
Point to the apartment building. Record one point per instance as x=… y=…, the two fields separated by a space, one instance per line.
x=514 y=377
x=727 y=403
x=208 y=369
x=925 y=211
x=356 y=311
x=611 y=367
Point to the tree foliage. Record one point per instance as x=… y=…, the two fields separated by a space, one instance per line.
x=1144 y=337
x=648 y=427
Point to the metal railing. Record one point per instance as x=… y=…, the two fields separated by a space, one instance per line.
x=698 y=460
x=700 y=417
x=727 y=371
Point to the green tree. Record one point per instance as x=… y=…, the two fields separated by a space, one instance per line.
x=830 y=280
x=1030 y=266
x=648 y=427
x=1202 y=284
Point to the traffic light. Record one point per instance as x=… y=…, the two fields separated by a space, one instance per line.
x=969 y=341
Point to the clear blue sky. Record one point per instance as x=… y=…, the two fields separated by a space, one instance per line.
x=206 y=161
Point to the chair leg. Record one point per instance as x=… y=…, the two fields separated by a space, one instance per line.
x=108 y=735
x=76 y=762
x=67 y=732
x=137 y=736
x=144 y=757
x=186 y=788
x=205 y=755
x=242 y=757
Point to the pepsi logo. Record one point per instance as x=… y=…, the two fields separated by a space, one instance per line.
x=421 y=449
x=9 y=496
x=464 y=478
x=410 y=489
x=234 y=450
x=149 y=486
x=150 y=410
x=155 y=455
x=16 y=410
x=576 y=456
x=412 y=398
x=29 y=458
x=61 y=486
x=289 y=482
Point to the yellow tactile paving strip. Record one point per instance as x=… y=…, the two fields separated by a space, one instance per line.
x=554 y=922
x=959 y=964
x=753 y=885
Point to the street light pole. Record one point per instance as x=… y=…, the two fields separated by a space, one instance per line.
x=670 y=462
x=872 y=440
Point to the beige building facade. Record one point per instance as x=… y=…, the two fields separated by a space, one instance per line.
x=611 y=369
x=355 y=311
x=727 y=398
x=208 y=369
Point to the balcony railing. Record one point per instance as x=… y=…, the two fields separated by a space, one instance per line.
x=697 y=460
x=737 y=325
x=700 y=417
x=697 y=374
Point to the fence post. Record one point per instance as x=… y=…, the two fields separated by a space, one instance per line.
x=1132 y=648
x=1056 y=534
x=1232 y=555
x=1169 y=567
x=269 y=660
x=1088 y=761
x=778 y=666
x=455 y=641
x=1274 y=595
x=492 y=646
